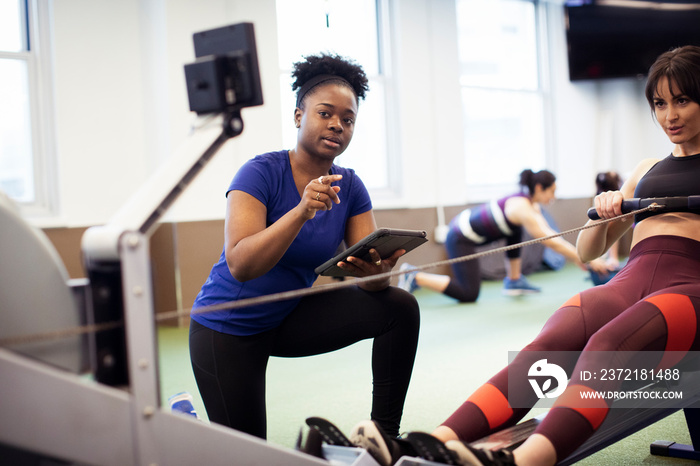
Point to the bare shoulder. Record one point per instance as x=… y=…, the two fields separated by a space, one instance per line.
x=646 y=164
x=518 y=202
x=519 y=209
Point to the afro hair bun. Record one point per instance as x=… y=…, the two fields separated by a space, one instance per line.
x=314 y=65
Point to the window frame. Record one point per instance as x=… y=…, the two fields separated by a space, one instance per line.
x=38 y=56
x=391 y=191
x=488 y=190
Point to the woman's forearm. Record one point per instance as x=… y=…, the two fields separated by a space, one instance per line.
x=255 y=255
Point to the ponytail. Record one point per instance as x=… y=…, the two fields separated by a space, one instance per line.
x=530 y=179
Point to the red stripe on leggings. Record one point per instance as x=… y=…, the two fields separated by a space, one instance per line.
x=493 y=403
x=573 y=301
x=681 y=322
x=593 y=409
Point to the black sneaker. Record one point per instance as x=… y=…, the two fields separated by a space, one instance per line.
x=431 y=448
x=469 y=456
x=329 y=432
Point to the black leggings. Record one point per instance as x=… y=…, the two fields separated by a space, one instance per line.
x=465 y=284
x=230 y=370
x=466 y=276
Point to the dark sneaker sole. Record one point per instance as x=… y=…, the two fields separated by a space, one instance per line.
x=431 y=449
x=330 y=433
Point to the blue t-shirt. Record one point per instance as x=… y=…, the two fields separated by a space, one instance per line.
x=268 y=178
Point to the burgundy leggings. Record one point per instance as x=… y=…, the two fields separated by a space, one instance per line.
x=651 y=305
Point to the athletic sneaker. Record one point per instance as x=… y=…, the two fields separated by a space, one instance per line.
x=519 y=287
x=432 y=449
x=470 y=456
x=182 y=403
x=310 y=441
x=384 y=449
x=407 y=281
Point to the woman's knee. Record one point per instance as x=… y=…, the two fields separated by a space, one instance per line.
x=604 y=340
x=403 y=304
x=406 y=300
x=464 y=293
x=565 y=330
x=468 y=297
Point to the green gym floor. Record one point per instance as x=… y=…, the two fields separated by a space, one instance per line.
x=460 y=347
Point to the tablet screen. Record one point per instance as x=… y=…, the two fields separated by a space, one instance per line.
x=384 y=240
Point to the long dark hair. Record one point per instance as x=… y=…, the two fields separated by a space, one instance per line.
x=681 y=66
x=530 y=179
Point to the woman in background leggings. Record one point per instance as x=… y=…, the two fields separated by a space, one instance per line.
x=505 y=218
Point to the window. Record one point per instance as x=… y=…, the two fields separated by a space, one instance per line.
x=24 y=146
x=350 y=29
x=502 y=97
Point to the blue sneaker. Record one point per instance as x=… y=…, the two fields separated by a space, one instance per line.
x=519 y=287
x=407 y=281
x=182 y=403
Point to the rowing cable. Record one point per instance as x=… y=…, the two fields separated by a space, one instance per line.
x=292 y=294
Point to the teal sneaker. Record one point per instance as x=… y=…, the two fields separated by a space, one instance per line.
x=519 y=287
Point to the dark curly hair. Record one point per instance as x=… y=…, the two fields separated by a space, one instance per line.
x=349 y=73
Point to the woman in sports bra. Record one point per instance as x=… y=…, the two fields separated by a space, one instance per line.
x=648 y=312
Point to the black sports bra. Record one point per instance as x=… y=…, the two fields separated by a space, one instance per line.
x=672 y=176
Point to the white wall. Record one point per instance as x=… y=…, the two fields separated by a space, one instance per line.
x=121 y=101
x=121 y=105
x=597 y=125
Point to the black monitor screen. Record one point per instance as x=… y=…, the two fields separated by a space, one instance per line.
x=607 y=41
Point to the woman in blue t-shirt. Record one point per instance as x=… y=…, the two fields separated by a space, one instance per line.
x=287 y=213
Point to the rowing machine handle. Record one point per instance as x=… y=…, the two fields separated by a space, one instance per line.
x=671 y=204
x=628 y=205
